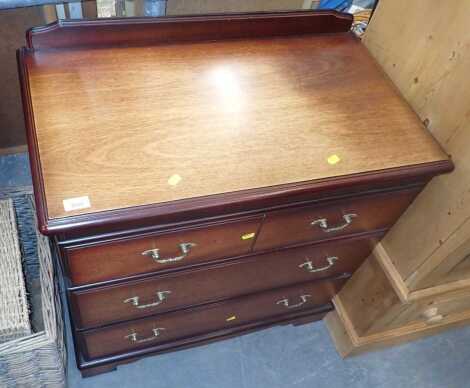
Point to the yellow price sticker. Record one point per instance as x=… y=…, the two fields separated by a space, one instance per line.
x=333 y=159
x=174 y=180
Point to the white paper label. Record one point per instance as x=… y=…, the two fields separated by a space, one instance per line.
x=76 y=203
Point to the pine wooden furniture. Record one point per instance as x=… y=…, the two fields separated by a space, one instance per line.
x=436 y=260
x=419 y=273
x=369 y=313
x=207 y=176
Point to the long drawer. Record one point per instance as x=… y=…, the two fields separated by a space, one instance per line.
x=339 y=218
x=131 y=256
x=115 y=259
x=152 y=331
x=103 y=305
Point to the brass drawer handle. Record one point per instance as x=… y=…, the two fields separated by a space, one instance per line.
x=323 y=223
x=155 y=255
x=310 y=268
x=133 y=336
x=161 y=296
x=303 y=300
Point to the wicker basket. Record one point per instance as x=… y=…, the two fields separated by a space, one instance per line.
x=14 y=317
x=37 y=360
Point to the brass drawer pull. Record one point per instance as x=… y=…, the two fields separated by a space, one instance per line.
x=310 y=268
x=133 y=336
x=323 y=223
x=303 y=300
x=155 y=255
x=161 y=296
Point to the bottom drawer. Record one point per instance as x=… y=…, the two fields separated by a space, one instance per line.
x=153 y=331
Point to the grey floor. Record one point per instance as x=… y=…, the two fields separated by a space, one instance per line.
x=284 y=356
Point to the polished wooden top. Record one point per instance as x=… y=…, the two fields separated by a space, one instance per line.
x=129 y=126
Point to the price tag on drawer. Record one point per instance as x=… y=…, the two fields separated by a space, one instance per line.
x=174 y=179
x=333 y=159
x=76 y=203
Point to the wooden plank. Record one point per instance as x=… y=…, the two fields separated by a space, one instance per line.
x=456 y=265
x=370 y=315
x=389 y=269
x=339 y=334
x=424 y=49
x=118 y=32
x=349 y=344
x=368 y=298
x=406 y=295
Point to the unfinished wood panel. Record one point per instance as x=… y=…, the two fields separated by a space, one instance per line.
x=370 y=315
x=13 y=25
x=455 y=268
x=348 y=343
x=193 y=7
x=436 y=309
x=404 y=293
x=426 y=51
x=369 y=299
x=463 y=267
x=339 y=334
x=371 y=310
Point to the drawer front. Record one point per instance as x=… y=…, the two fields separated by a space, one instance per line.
x=121 y=338
x=131 y=300
x=339 y=218
x=128 y=257
x=437 y=310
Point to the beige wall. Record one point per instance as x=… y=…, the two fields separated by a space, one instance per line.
x=13 y=24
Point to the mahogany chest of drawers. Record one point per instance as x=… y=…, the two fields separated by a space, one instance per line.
x=203 y=177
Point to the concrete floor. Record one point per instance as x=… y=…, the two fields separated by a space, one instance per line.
x=284 y=356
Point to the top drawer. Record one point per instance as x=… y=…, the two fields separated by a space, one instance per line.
x=337 y=218
x=125 y=257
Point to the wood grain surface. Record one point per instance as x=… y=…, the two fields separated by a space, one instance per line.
x=98 y=306
x=93 y=367
x=294 y=226
x=123 y=257
x=429 y=64
x=188 y=323
x=145 y=31
x=141 y=125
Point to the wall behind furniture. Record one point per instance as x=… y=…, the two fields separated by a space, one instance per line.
x=13 y=25
x=189 y=7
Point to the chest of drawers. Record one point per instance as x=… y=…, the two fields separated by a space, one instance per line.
x=203 y=177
